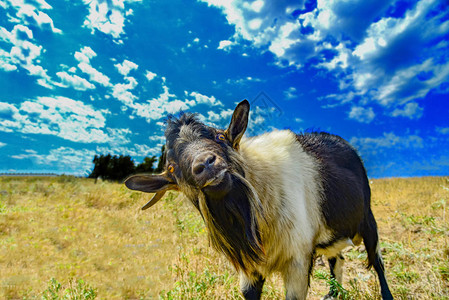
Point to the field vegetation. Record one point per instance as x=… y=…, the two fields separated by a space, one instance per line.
x=72 y=238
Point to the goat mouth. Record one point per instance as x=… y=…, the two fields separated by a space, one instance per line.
x=216 y=180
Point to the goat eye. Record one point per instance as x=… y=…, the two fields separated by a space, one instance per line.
x=171 y=169
x=221 y=137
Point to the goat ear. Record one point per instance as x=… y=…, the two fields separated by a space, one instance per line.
x=148 y=183
x=238 y=124
x=158 y=184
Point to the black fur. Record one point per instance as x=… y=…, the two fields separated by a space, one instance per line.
x=347 y=196
x=345 y=181
x=233 y=228
x=345 y=184
x=332 y=261
x=254 y=291
x=379 y=267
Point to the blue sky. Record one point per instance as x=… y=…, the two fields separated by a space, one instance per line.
x=79 y=78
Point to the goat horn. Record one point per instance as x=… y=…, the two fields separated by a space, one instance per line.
x=153 y=200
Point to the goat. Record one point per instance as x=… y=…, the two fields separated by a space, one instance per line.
x=273 y=202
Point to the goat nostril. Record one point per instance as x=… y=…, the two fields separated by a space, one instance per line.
x=198 y=169
x=205 y=163
x=210 y=160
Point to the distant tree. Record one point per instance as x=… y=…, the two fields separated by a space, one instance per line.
x=95 y=172
x=121 y=167
x=117 y=168
x=101 y=166
x=147 y=165
x=112 y=167
x=161 y=162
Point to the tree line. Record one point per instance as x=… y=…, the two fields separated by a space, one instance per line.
x=118 y=167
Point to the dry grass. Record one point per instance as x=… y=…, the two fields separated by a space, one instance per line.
x=93 y=239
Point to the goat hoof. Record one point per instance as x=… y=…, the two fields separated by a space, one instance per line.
x=328 y=297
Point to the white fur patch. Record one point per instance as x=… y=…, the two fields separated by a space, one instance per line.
x=286 y=179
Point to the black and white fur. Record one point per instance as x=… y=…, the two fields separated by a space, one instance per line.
x=273 y=202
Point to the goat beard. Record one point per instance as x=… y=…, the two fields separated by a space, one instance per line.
x=233 y=222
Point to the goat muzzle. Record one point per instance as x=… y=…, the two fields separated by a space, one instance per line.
x=208 y=169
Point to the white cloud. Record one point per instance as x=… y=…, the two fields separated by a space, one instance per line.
x=410 y=110
x=394 y=59
x=29 y=14
x=152 y=109
x=24 y=53
x=126 y=67
x=405 y=85
x=7 y=110
x=63 y=159
x=388 y=140
x=220 y=119
x=158 y=107
x=158 y=139
x=288 y=46
x=136 y=150
x=441 y=130
x=60 y=116
x=74 y=81
x=40 y=18
x=207 y=100
x=64 y=117
x=362 y=114
x=122 y=92
x=393 y=154
x=263 y=118
x=176 y=105
x=85 y=54
x=150 y=75
x=258 y=21
x=43 y=5
x=109 y=20
x=8 y=114
x=371 y=55
x=107 y=16
x=83 y=57
x=225 y=45
x=132 y=83
x=4 y=64
x=119 y=136
x=290 y=93
x=264 y=23
x=388 y=62
x=2 y=144
x=94 y=74
x=350 y=18
x=244 y=80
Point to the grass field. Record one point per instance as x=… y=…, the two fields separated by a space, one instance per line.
x=69 y=238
